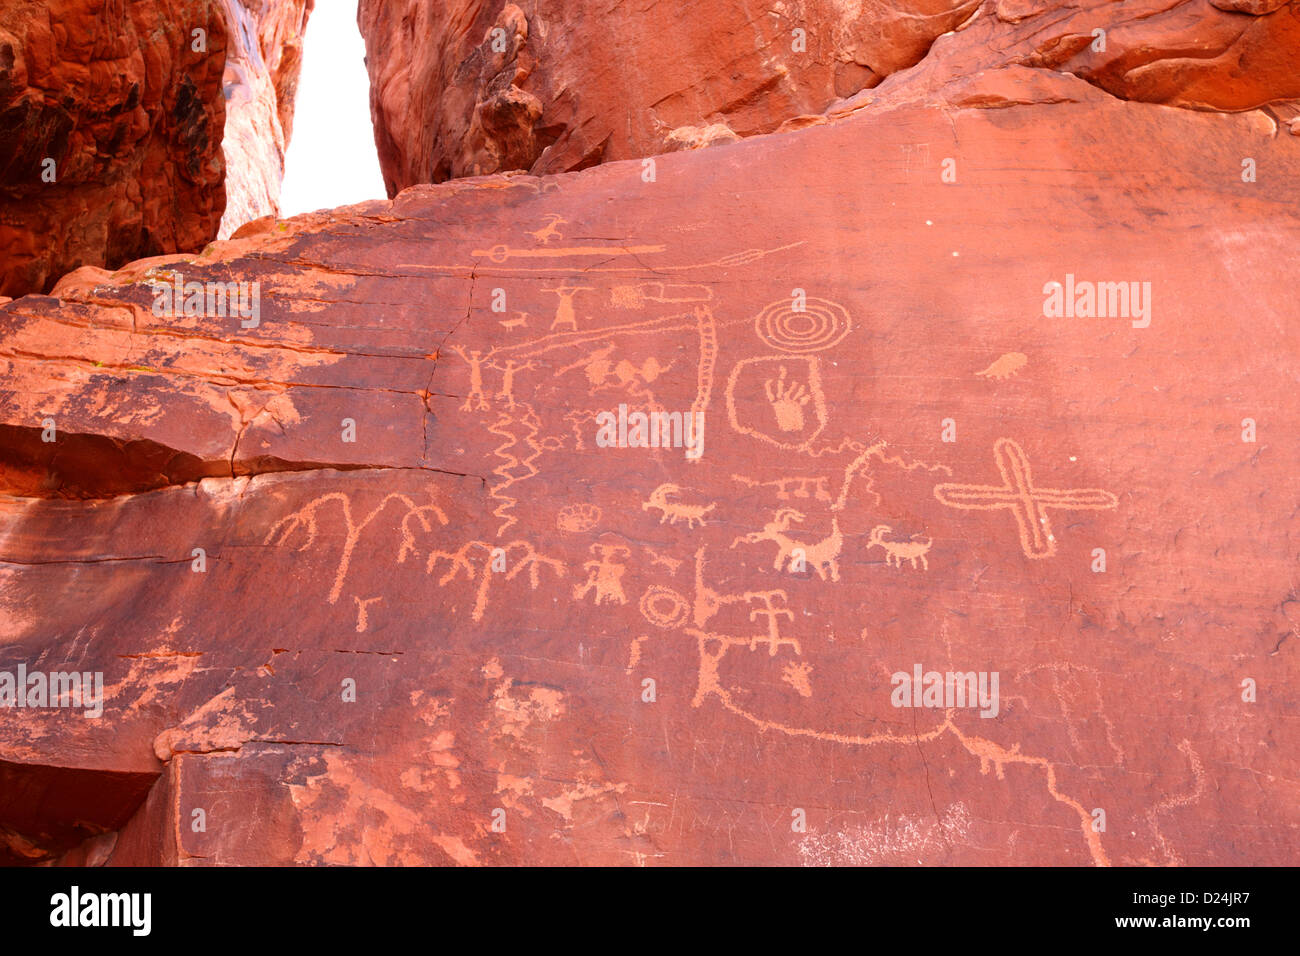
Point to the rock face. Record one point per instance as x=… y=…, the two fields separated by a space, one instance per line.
x=112 y=117
x=368 y=583
x=467 y=88
x=261 y=77
x=113 y=103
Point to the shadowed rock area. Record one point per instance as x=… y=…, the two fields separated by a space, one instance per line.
x=114 y=117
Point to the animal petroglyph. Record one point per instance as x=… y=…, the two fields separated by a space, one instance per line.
x=520 y=320
x=306 y=517
x=790 y=427
x=896 y=552
x=1027 y=503
x=819 y=325
x=460 y=560
x=604 y=574
x=550 y=230
x=1005 y=366
x=822 y=555
x=672 y=564
x=671 y=511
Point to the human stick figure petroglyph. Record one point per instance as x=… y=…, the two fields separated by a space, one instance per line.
x=363 y=613
x=1026 y=502
x=823 y=555
x=475 y=361
x=507 y=390
x=671 y=511
x=305 y=518
x=896 y=552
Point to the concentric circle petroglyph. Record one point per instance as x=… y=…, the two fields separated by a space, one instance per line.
x=820 y=325
x=664 y=607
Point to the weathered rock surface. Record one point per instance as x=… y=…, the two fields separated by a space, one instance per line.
x=566 y=86
x=520 y=695
x=470 y=87
x=130 y=115
x=261 y=77
x=129 y=104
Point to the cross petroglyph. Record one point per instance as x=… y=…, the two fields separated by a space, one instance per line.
x=1027 y=503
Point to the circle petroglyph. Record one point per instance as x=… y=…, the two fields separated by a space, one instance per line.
x=664 y=607
x=819 y=326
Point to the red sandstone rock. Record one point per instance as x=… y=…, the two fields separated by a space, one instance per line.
x=131 y=116
x=261 y=78
x=567 y=88
x=127 y=101
x=520 y=695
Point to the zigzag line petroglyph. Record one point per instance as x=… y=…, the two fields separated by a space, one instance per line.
x=529 y=421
